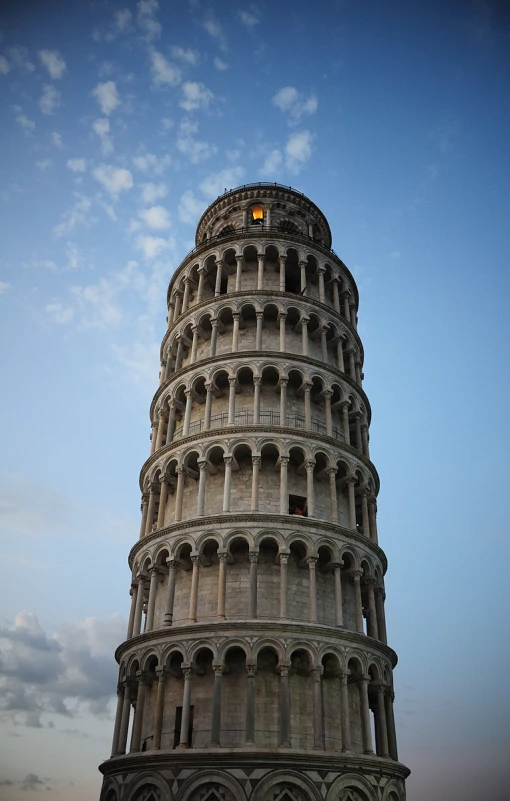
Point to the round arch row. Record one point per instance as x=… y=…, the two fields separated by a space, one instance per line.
x=262 y=325
x=259 y=265
x=280 y=475
x=240 y=695
x=215 y=578
x=292 y=785
x=269 y=393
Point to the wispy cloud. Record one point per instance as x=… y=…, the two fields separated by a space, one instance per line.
x=113 y=179
x=26 y=123
x=195 y=96
x=152 y=192
x=77 y=165
x=53 y=62
x=215 y=31
x=163 y=71
x=147 y=10
x=4 y=287
x=272 y=164
x=43 y=164
x=123 y=18
x=294 y=103
x=219 y=64
x=190 y=208
x=298 y=150
x=76 y=217
x=63 y=315
x=56 y=139
x=248 y=18
x=5 y=67
x=186 y=55
x=216 y=183
x=50 y=99
x=101 y=128
x=156 y=217
x=150 y=162
x=107 y=96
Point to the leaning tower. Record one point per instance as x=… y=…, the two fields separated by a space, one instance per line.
x=255 y=665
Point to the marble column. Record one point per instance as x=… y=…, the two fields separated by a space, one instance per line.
x=214 y=336
x=194 y=344
x=140 y=593
x=232 y=401
x=284 y=706
x=347 y=311
x=140 y=704
x=154 y=435
x=308 y=406
x=202 y=465
x=257 y=381
x=171 y=312
x=333 y=503
x=186 y=704
x=358 y=604
x=158 y=711
x=185 y=300
x=327 y=394
x=235 y=332
x=171 y=422
x=364 y=514
x=255 y=461
x=351 y=481
x=216 y=705
x=365 y=715
x=284 y=493
x=133 y=593
x=239 y=269
x=336 y=297
x=322 y=293
x=150 y=510
x=372 y=513
x=282 y=383
x=217 y=286
x=187 y=412
x=364 y=440
x=284 y=558
x=227 y=483
x=151 y=605
x=381 y=723
x=163 y=495
x=340 y=355
x=337 y=575
x=282 y=317
x=304 y=335
x=118 y=719
x=345 y=723
x=324 y=345
x=372 y=615
x=201 y=282
x=145 y=507
x=170 y=592
x=208 y=406
x=310 y=500
x=318 y=729
x=222 y=583
x=258 y=333
x=193 y=596
x=302 y=271
x=251 y=670
x=380 y=616
x=260 y=271
x=312 y=588
x=254 y=558
x=390 y=721
x=179 y=493
x=345 y=422
x=283 y=259
x=124 y=723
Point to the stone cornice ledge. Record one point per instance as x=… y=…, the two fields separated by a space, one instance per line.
x=253 y=757
x=263 y=520
x=258 y=627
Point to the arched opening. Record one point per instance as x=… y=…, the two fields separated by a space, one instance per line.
x=331 y=702
x=233 y=699
x=267 y=699
x=201 y=699
x=301 y=700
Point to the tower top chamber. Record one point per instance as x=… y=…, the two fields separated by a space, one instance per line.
x=256 y=664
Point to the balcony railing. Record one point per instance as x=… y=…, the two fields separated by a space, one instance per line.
x=266 y=418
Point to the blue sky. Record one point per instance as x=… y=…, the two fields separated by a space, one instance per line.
x=120 y=123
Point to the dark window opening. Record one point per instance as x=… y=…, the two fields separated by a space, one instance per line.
x=224 y=285
x=293 y=283
x=297 y=506
x=177 y=730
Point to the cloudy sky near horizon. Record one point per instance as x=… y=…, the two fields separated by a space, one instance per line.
x=121 y=122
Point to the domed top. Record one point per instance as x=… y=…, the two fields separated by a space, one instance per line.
x=270 y=205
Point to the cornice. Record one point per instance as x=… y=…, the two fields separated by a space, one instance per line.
x=253 y=628
x=257 y=354
x=254 y=757
x=260 y=233
x=260 y=520
x=264 y=293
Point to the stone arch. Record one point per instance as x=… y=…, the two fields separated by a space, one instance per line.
x=211 y=785
x=351 y=787
x=148 y=786
x=393 y=791
x=110 y=790
x=286 y=785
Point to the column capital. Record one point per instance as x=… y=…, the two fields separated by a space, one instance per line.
x=187 y=669
x=236 y=316
x=196 y=559
x=255 y=460
x=356 y=574
x=228 y=460
x=282 y=315
x=283 y=382
x=316 y=672
x=312 y=561
x=222 y=555
x=210 y=386
x=218 y=263
x=327 y=393
x=257 y=380
x=214 y=322
x=259 y=315
x=284 y=558
x=283 y=669
x=202 y=464
x=181 y=470
x=304 y=321
x=232 y=381
x=251 y=669
x=350 y=480
x=282 y=257
x=302 y=263
x=172 y=563
x=332 y=471
x=284 y=460
x=253 y=557
x=336 y=565
x=218 y=667
x=309 y=465
x=306 y=386
x=143 y=678
x=239 y=257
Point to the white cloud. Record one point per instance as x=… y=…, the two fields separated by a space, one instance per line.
x=190 y=208
x=152 y=192
x=101 y=127
x=152 y=246
x=4 y=286
x=123 y=18
x=188 y=56
x=194 y=149
x=140 y=360
x=19 y=58
x=294 y=103
x=298 y=150
x=196 y=95
x=77 y=165
x=43 y=164
x=214 y=29
x=53 y=62
x=248 y=19
x=272 y=163
x=149 y=162
x=216 y=183
x=26 y=124
x=56 y=139
x=107 y=96
x=147 y=18
x=220 y=65
x=113 y=179
x=163 y=71
x=5 y=67
x=77 y=215
x=59 y=313
x=98 y=303
x=156 y=218
x=49 y=100
x=167 y=123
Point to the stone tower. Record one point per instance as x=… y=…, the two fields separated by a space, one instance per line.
x=255 y=664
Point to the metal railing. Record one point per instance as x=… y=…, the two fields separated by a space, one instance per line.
x=266 y=418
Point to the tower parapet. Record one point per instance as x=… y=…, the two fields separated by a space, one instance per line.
x=256 y=663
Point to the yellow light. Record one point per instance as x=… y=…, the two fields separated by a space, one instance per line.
x=257 y=212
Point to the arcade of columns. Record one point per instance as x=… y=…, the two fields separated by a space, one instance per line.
x=256 y=662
